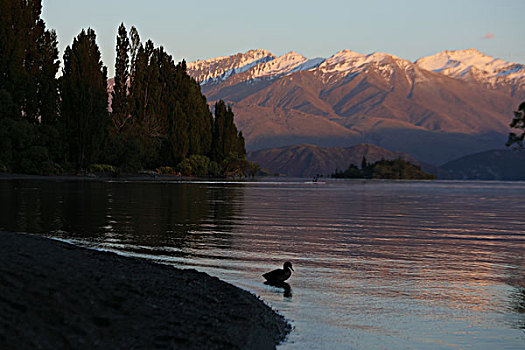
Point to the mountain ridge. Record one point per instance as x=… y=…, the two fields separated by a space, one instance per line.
x=475 y=66
x=504 y=165
x=377 y=98
x=454 y=63
x=306 y=160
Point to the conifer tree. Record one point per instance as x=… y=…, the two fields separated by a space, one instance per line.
x=28 y=63
x=241 y=147
x=46 y=81
x=178 y=133
x=136 y=98
x=119 y=102
x=141 y=80
x=195 y=107
x=364 y=163
x=152 y=120
x=135 y=44
x=518 y=122
x=84 y=99
x=226 y=138
x=28 y=89
x=230 y=133
x=217 y=150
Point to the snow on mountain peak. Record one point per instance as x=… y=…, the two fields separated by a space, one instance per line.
x=471 y=64
x=346 y=61
x=459 y=62
x=345 y=53
x=292 y=55
x=248 y=56
x=224 y=66
x=278 y=66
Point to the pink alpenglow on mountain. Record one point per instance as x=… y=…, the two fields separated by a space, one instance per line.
x=437 y=109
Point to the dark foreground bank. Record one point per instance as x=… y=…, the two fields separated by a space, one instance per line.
x=56 y=295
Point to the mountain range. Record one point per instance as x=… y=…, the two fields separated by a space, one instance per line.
x=306 y=160
x=436 y=109
x=508 y=165
x=310 y=160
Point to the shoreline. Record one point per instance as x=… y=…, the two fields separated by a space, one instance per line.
x=97 y=177
x=117 y=178
x=57 y=295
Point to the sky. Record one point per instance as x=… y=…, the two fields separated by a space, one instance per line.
x=204 y=29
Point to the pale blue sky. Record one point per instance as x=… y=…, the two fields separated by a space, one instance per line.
x=203 y=29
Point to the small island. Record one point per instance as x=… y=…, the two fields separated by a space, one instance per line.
x=397 y=169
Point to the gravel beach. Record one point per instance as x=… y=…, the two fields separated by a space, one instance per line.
x=55 y=295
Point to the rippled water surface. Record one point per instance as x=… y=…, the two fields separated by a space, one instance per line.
x=378 y=265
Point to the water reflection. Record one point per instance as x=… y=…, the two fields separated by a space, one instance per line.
x=520 y=302
x=517 y=296
x=420 y=265
x=285 y=287
x=127 y=216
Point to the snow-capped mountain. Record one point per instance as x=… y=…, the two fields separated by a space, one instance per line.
x=349 y=62
x=220 y=68
x=468 y=65
x=278 y=66
x=472 y=65
x=432 y=108
x=255 y=64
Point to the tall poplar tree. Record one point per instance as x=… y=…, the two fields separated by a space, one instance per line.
x=196 y=110
x=226 y=138
x=241 y=146
x=119 y=96
x=28 y=61
x=135 y=44
x=84 y=99
x=28 y=88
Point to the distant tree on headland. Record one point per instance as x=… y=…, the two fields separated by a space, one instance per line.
x=518 y=122
x=397 y=169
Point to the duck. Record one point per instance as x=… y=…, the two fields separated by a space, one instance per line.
x=279 y=275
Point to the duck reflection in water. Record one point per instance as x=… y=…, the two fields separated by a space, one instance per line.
x=287 y=290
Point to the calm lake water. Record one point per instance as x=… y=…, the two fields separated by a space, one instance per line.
x=378 y=265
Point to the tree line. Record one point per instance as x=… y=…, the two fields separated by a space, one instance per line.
x=154 y=118
x=397 y=169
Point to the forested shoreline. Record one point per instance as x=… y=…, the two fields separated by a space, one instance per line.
x=154 y=116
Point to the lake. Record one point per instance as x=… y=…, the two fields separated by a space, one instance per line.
x=378 y=265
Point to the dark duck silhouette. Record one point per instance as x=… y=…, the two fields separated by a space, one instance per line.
x=279 y=275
